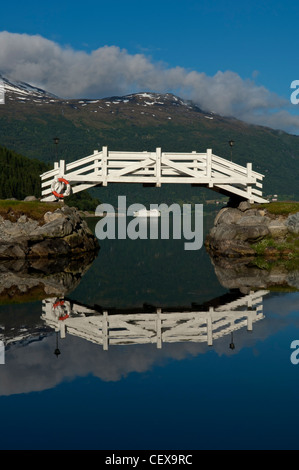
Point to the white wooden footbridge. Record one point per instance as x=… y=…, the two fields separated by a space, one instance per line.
x=108 y=329
x=152 y=169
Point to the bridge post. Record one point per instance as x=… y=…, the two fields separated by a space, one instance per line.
x=104 y=165
x=62 y=169
x=96 y=162
x=158 y=167
x=159 y=328
x=249 y=188
x=249 y=314
x=195 y=161
x=105 y=331
x=209 y=327
x=209 y=167
x=249 y=320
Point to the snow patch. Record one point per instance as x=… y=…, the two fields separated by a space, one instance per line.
x=145 y=95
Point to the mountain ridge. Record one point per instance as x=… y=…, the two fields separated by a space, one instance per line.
x=24 y=89
x=145 y=99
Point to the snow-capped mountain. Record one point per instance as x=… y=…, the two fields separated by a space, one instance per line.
x=24 y=91
x=145 y=99
x=149 y=99
x=17 y=91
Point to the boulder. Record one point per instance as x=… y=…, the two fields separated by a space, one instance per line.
x=238 y=230
x=251 y=220
x=61 y=233
x=227 y=215
x=244 y=206
x=12 y=250
x=50 y=216
x=251 y=233
x=292 y=223
x=277 y=228
x=57 y=228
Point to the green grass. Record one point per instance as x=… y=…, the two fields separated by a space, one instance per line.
x=280 y=208
x=272 y=264
x=261 y=246
x=35 y=210
x=288 y=248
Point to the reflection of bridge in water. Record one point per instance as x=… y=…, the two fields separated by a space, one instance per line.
x=150 y=325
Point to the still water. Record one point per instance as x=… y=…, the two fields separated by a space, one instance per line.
x=148 y=346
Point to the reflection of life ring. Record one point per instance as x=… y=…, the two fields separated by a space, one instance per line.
x=60 y=303
x=64 y=317
x=61 y=188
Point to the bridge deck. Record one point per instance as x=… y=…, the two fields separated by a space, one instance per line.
x=155 y=169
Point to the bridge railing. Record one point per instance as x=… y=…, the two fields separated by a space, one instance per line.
x=156 y=168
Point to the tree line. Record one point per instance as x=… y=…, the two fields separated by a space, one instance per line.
x=20 y=177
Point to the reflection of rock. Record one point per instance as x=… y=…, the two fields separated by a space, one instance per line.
x=60 y=233
x=255 y=247
x=244 y=275
x=250 y=231
x=22 y=280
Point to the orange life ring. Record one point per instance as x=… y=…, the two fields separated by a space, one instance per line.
x=67 y=188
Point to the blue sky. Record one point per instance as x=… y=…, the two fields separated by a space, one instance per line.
x=256 y=41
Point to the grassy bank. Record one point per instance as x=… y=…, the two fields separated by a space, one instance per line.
x=286 y=247
x=12 y=210
x=280 y=208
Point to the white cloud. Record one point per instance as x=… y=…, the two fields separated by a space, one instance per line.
x=110 y=71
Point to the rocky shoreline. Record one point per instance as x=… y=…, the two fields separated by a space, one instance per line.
x=250 y=230
x=60 y=232
x=39 y=278
x=244 y=275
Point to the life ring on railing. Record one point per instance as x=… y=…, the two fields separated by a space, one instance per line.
x=60 y=303
x=60 y=188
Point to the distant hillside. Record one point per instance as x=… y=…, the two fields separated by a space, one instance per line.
x=31 y=118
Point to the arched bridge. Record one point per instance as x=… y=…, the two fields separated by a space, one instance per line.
x=153 y=169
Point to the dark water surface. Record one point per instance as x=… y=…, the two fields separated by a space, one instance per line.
x=172 y=388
